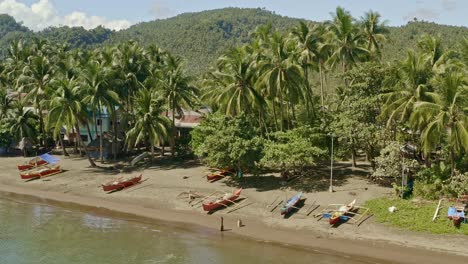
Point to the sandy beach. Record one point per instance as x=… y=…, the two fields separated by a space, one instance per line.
x=156 y=198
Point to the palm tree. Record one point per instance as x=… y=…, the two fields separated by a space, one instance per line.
x=95 y=77
x=36 y=77
x=412 y=86
x=374 y=31
x=347 y=42
x=446 y=115
x=232 y=85
x=151 y=126
x=23 y=122
x=281 y=75
x=176 y=89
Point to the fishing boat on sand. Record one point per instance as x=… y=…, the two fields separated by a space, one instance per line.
x=290 y=204
x=41 y=172
x=225 y=200
x=38 y=161
x=456 y=214
x=340 y=214
x=217 y=175
x=121 y=183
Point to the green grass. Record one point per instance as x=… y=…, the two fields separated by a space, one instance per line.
x=414 y=215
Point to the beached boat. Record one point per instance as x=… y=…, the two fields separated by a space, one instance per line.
x=38 y=161
x=290 y=204
x=121 y=183
x=41 y=172
x=456 y=214
x=225 y=200
x=217 y=175
x=340 y=214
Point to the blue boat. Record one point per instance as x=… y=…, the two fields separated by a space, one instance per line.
x=289 y=205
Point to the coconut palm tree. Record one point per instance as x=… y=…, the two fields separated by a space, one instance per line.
x=95 y=78
x=280 y=74
x=446 y=116
x=36 y=77
x=151 y=126
x=348 y=42
x=231 y=87
x=374 y=31
x=412 y=85
x=67 y=110
x=24 y=122
x=176 y=88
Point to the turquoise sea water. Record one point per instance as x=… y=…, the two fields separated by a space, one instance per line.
x=33 y=232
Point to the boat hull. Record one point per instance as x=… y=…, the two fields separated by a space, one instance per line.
x=31 y=165
x=39 y=174
x=121 y=184
x=289 y=206
x=215 y=205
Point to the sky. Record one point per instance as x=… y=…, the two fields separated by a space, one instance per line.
x=118 y=14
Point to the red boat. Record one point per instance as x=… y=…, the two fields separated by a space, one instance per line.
x=340 y=214
x=217 y=175
x=34 y=163
x=121 y=183
x=224 y=200
x=40 y=173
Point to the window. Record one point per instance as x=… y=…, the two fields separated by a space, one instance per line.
x=84 y=138
x=99 y=122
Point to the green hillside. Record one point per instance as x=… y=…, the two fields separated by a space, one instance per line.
x=203 y=36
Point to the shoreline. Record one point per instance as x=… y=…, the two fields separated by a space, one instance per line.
x=361 y=243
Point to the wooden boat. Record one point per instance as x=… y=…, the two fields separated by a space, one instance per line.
x=217 y=175
x=224 y=200
x=40 y=173
x=33 y=163
x=290 y=204
x=456 y=214
x=121 y=183
x=340 y=214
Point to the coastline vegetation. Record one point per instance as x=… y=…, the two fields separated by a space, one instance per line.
x=278 y=102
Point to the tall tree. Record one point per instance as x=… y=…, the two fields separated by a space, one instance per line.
x=446 y=116
x=95 y=78
x=177 y=89
x=151 y=126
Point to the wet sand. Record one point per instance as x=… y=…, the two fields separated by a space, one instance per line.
x=156 y=199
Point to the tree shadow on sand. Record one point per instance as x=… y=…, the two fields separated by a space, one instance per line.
x=314 y=179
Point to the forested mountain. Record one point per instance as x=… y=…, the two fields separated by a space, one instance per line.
x=201 y=37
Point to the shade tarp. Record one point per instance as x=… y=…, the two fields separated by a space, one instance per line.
x=49 y=158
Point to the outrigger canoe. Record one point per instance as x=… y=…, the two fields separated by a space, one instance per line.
x=38 y=161
x=40 y=173
x=340 y=214
x=121 y=183
x=290 y=204
x=217 y=175
x=224 y=200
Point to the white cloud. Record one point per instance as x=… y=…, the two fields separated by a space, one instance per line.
x=42 y=14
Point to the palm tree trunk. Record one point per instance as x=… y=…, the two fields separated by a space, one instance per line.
x=89 y=131
x=281 y=106
x=114 y=140
x=41 y=127
x=353 y=155
x=274 y=114
x=173 y=129
x=95 y=125
x=452 y=161
x=65 y=153
x=101 y=137
x=321 y=83
x=77 y=127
